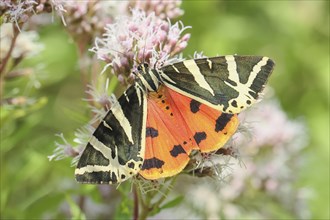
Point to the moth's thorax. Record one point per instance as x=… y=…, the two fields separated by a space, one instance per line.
x=149 y=79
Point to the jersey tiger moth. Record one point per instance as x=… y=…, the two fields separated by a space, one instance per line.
x=167 y=113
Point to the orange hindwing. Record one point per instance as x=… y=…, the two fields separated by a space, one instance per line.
x=177 y=124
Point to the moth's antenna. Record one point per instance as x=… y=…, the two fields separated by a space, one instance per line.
x=155 y=64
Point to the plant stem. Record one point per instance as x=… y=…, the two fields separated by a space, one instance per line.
x=81 y=203
x=136 y=203
x=4 y=61
x=12 y=44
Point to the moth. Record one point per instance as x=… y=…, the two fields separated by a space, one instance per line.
x=167 y=113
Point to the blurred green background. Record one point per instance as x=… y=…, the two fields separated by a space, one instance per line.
x=293 y=33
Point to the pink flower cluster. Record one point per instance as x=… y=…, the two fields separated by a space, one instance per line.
x=162 y=9
x=17 y=11
x=138 y=38
x=86 y=19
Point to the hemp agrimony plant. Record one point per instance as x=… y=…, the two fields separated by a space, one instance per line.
x=139 y=36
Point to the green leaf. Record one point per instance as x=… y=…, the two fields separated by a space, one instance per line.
x=155 y=211
x=174 y=202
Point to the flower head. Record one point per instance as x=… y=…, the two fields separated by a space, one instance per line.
x=17 y=11
x=20 y=11
x=86 y=19
x=63 y=150
x=131 y=40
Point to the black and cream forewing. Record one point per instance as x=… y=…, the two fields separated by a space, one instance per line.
x=227 y=83
x=116 y=149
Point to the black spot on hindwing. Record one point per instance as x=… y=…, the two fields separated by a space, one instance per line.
x=131 y=165
x=151 y=132
x=222 y=121
x=234 y=103
x=199 y=136
x=177 y=149
x=152 y=163
x=194 y=106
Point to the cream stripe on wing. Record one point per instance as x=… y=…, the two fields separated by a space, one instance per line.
x=232 y=68
x=176 y=70
x=117 y=111
x=139 y=91
x=166 y=77
x=106 y=125
x=209 y=62
x=127 y=99
x=154 y=78
x=99 y=146
x=91 y=169
x=256 y=69
x=199 y=78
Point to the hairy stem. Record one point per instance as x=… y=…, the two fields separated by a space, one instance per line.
x=167 y=191
x=147 y=206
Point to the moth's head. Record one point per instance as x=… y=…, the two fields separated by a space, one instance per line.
x=143 y=68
